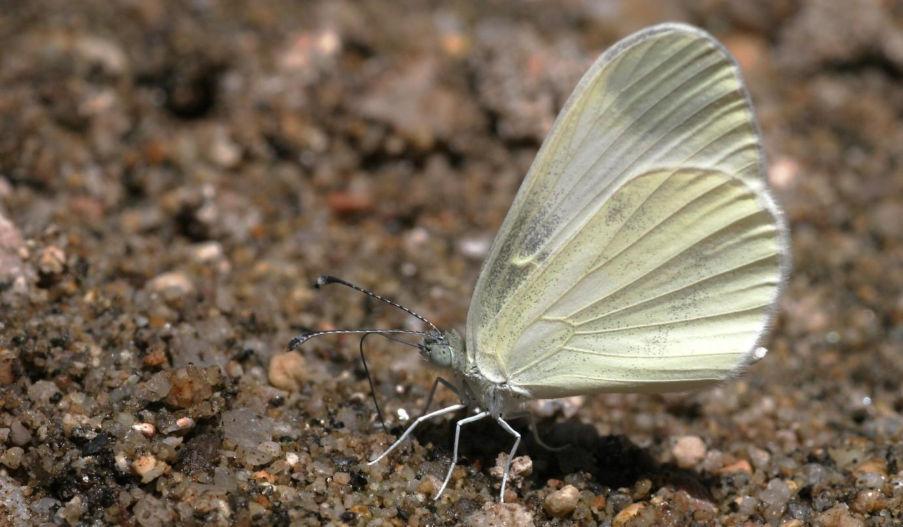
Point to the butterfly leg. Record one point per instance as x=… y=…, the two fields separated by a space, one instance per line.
x=454 y=460
x=535 y=431
x=379 y=411
x=436 y=383
x=516 y=435
x=437 y=413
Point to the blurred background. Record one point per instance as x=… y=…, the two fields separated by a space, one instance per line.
x=173 y=175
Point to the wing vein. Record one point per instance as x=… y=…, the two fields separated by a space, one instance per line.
x=678 y=289
x=675 y=321
x=635 y=356
x=546 y=356
x=615 y=380
x=629 y=88
x=637 y=120
x=663 y=263
x=617 y=232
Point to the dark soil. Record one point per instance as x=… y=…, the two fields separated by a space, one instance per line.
x=173 y=175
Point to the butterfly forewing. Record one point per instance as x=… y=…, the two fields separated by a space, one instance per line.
x=642 y=251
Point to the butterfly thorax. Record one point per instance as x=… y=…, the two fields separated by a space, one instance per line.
x=499 y=399
x=447 y=352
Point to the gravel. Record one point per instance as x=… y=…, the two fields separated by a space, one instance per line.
x=173 y=176
x=562 y=502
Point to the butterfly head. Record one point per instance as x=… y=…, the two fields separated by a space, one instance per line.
x=445 y=350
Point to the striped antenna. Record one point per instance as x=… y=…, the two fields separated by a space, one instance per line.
x=327 y=279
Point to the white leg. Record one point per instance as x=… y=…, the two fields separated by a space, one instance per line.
x=454 y=460
x=513 y=432
x=437 y=413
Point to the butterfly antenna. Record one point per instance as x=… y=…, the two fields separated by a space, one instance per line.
x=327 y=279
x=304 y=337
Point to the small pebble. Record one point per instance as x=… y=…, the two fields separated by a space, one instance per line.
x=121 y=462
x=158 y=386
x=562 y=502
x=838 y=516
x=172 y=286
x=627 y=513
x=189 y=386
x=688 y=451
x=146 y=429
x=18 y=434
x=287 y=371
x=264 y=476
x=599 y=502
x=152 y=512
x=871 y=466
x=207 y=252
x=475 y=248
x=52 y=261
x=234 y=369
x=759 y=457
x=700 y=507
x=521 y=466
x=815 y=474
x=262 y=454
x=13 y=271
x=741 y=465
x=12 y=458
x=246 y=428
x=185 y=423
x=73 y=510
x=871 y=474
x=746 y=505
x=845 y=456
x=429 y=485
x=347 y=203
x=148 y=468
x=495 y=514
x=783 y=172
x=72 y=422
x=155 y=358
x=867 y=501
x=222 y=150
x=10 y=370
x=774 y=499
x=641 y=489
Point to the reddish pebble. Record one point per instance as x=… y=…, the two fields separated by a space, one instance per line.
x=347 y=203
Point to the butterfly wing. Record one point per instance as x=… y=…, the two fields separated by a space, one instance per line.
x=643 y=251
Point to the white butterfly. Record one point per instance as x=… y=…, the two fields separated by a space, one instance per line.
x=643 y=251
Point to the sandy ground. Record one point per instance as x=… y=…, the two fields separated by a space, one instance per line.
x=174 y=174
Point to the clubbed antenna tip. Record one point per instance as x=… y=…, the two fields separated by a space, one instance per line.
x=299 y=339
x=325 y=279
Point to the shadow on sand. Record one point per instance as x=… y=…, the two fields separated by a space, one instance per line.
x=611 y=461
